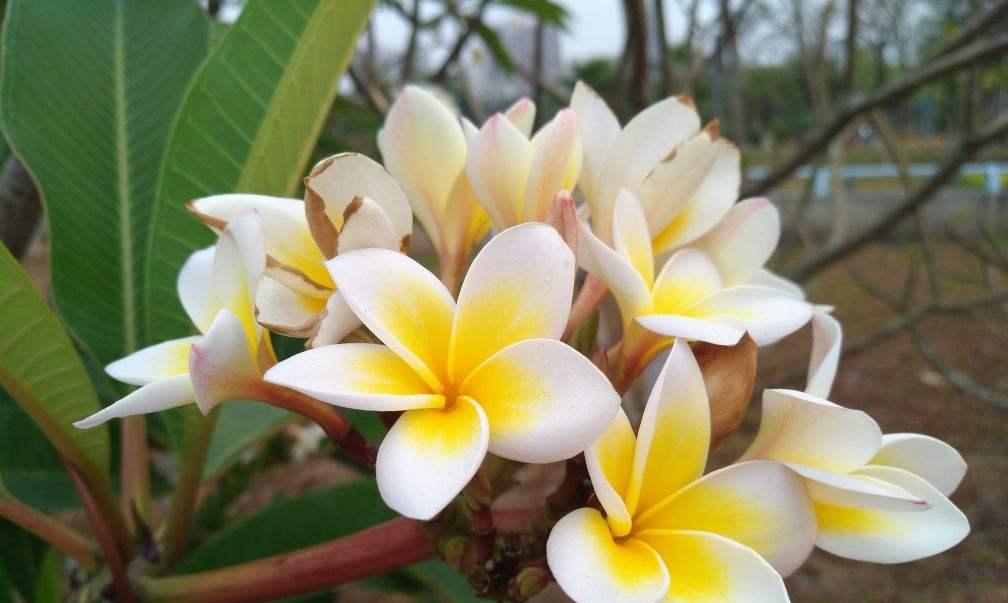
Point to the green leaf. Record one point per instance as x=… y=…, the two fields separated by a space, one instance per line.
x=47 y=583
x=292 y=523
x=249 y=124
x=41 y=370
x=239 y=425
x=21 y=555
x=441 y=581
x=89 y=92
x=548 y=11
x=496 y=47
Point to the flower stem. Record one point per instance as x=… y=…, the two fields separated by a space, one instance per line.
x=592 y=292
x=385 y=547
x=135 y=486
x=66 y=539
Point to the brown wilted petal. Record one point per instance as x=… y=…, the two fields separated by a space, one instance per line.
x=729 y=373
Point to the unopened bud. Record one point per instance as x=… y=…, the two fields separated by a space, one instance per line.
x=563 y=217
x=453 y=549
x=528 y=583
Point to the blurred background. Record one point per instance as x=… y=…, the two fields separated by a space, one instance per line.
x=878 y=127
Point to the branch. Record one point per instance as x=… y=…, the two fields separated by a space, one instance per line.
x=60 y=536
x=858 y=104
x=946 y=171
x=957 y=378
x=134 y=489
x=979 y=24
x=382 y=548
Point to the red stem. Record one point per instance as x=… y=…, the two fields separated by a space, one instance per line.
x=385 y=547
x=592 y=292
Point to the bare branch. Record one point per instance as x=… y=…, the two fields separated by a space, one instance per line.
x=978 y=25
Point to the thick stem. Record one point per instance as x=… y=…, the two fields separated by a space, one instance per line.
x=135 y=460
x=385 y=547
x=114 y=557
x=592 y=292
x=452 y=270
x=66 y=539
x=183 y=502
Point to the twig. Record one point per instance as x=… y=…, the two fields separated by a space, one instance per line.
x=976 y=26
x=64 y=538
x=957 y=378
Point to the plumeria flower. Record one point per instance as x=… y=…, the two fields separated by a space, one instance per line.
x=686 y=178
x=424 y=148
x=700 y=293
x=515 y=177
x=880 y=498
x=350 y=203
x=669 y=532
x=216 y=286
x=486 y=373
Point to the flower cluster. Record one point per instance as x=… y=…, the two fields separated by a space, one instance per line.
x=475 y=365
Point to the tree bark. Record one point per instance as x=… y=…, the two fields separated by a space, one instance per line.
x=20 y=207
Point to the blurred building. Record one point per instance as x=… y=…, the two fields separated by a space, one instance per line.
x=519 y=35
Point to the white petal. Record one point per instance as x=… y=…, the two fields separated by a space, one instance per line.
x=707 y=568
x=519 y=287
x=498 y=167
x=619 y=275
x=610 y=461
x=155 y=396
x=286 y=311
x=522 y=114
x=766 y=278
x=220 y=360
x=930 y=458
x=152 y=363
x=768 y=314
x=674 y=182
x=630 y=235
x=239 y=263
x=827 y=339
x=743 y=240
x=556 y=163
x=674 y=433
x=719 y=330
x=195 y=288
x=423 y=147
x=760 y=504
x=593 y=568
x=338 y=180
x=851 y=489
x=530 y=388
x=688 y=277
x=599 y=128
x=367 y=225
x=883 y=536
x=402 y=303
x=429 y=456
x=800 y=428
x=338 y=322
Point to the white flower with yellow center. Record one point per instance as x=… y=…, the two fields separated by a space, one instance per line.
x=216 y=286
x=669 y=532
x=516 y=177
x=350 y=203
x=686 y=178
x=485 y=373
x=423 y=146
x=701 y=293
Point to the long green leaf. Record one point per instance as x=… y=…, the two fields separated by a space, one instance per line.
x=249 y=124
x=89 y=91
x=41 y=370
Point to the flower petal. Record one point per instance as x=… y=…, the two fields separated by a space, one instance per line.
x=688 y=277
x=239 y=263
x=766 y=278
x=220 y=360
x=646 y=140
x=930 y=458
x=498 y=168
x=287 y=311
x=402 y=303
x=531 y=387
x=285 y=228
x=152 y=363
x=522 y=115
x=618 y=274
x=827 y=339
x=708 y=204
x=556 y=163
x=768 y=314
x=593 y=568
x=423 y=147
x=336 y=181
x=367 y=225
x=599 y=128
x=801 y=428
x=851 y=489
x=365 y=376
x=759 y=504
x=881 y=536
x=673 y=183
x=195 y=288
x=155 y=396
x=630 y=235
x=429 y=455
x=337 y=322
x=719 y=330
x=610 y=461
x=674 y=433
x=708 y=568
x=519 y=287
x=743 y=240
